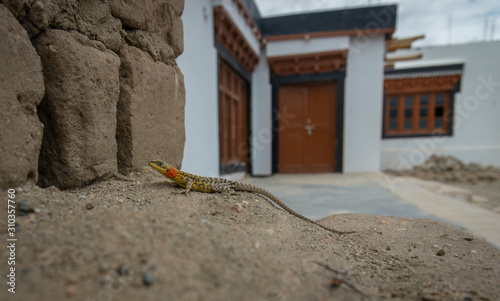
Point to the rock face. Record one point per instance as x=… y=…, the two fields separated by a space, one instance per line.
x=91 y=17
x=100 y=91
x=150 y=111
x=21 y=90
x=162 y=17
x=78 y=110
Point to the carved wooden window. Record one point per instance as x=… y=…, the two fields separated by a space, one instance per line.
x=418 y=113
x=420 y=106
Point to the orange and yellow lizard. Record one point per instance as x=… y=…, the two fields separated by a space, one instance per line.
x=224 y=186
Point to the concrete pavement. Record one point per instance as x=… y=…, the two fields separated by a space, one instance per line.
x=320 y=195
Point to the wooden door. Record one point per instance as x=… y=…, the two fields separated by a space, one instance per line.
x=307 y=127
x=232 y=120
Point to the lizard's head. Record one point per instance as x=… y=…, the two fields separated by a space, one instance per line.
x=165 y=169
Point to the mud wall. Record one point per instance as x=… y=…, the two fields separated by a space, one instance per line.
x=88 y=89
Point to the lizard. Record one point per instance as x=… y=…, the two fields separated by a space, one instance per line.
x=226 y=187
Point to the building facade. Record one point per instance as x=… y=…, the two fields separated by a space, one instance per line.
x=290 y=94
x=309 y=93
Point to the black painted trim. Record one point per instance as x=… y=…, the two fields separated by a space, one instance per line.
x=276 y=81
x=254 y=11
x=249 y=128
x=452 y=105
x=363 y=18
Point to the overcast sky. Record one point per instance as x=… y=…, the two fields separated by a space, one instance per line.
x=442 y=21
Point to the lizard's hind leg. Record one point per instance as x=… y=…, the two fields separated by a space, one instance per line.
x=225 y=190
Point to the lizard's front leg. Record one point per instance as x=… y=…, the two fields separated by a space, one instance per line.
x=186 y=190
x=189 y=185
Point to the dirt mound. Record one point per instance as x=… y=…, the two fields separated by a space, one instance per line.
x=132 y=239
x=451 y=170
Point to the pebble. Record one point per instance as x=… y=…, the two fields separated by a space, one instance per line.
x=24 y=208
x=147 y=278
x=237 y=208
x=53 y=189
x=206 y=222
x=441 y=252
x=89 y=206
x=473 y=251
x=70 y=290
x=270 y=231
x=122 y=270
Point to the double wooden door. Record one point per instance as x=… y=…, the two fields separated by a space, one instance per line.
x=307 y=127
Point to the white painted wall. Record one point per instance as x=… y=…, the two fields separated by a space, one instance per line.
x=303 y=46
x=261 y=119
x=363 y=103
x=476 y=136
x=198 y=63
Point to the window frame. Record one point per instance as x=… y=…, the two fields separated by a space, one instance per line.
x=400 y=87
x=233 y=120
x=415 y=118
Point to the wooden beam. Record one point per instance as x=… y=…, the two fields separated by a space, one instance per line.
x=395 y=44
x=403 y=58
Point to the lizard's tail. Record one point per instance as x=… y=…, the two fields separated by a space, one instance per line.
x=252 y=188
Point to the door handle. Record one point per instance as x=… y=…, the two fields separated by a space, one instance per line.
x=309 y=127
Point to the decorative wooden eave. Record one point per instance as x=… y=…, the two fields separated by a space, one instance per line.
x=249 y=20
x=435 y=83
x=309 y=63
x=395 y=44
x=354 y=32
x=231 y=37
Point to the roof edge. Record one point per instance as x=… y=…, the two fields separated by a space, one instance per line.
x=362 y=19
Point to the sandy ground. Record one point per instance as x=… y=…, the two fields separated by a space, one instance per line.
x=490 y=193
x=132 y=239
x=480 y=184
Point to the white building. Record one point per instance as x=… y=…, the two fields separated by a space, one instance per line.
x=294 y=93
x=468 y=76
x=305 y=93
